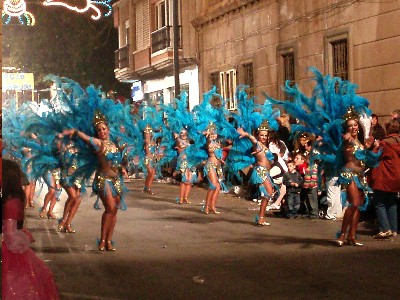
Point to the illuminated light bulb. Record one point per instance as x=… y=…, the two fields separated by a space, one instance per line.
x=90 y=4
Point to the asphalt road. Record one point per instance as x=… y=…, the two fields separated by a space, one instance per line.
x=171 y=251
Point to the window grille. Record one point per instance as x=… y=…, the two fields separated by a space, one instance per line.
x=340 y=63
x=249 y=78
x=214 y=79
x=288 y=67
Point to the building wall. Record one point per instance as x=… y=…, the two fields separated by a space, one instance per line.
x=155 y=70
x=258 y=31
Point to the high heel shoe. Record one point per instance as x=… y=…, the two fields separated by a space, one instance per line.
x=61 y=227
x=51 y=216
x=259 y=221
x=42 y=214
x=68 y=229
x=215 y=211
x=352 y=242
x=109 y=246
x=186 y=201
x=340 y=240
x=102 y=245
x=147 y=191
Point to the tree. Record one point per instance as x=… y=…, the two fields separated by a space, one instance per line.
x=67 y=44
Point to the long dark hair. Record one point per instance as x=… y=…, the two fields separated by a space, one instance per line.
x=12 y=186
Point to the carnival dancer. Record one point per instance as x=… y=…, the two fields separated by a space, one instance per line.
x=352 y=176
x=30 y=188
x=260 y=175
x=52 y=179
x=213 y=169
x=108 y=183
x=333 y=107
x=182 y=142
x=71 y=185
x=179 y=127
x=149 y=159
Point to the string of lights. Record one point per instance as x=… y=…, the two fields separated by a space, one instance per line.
x=18 y=9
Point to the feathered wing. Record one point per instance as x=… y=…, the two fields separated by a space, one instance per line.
x=322 y=113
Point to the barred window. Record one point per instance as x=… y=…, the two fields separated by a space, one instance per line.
x=340 y=64
x=288 y=70
x=288 y=67
x=249 y=78
x=214 y=80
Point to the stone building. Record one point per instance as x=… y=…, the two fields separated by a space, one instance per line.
x=263 y=43
x=145 y=54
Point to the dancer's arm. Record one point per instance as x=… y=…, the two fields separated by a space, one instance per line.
x=84 y=137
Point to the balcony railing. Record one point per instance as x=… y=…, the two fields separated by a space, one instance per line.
x=122 y=57
x=162 y=38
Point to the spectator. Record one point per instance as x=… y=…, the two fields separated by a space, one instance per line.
x=385 y=181
x=24 y=275
x=293 y=182
x=310 y=186
x=284 y=131
x=277 y=171
x=396 y=116
x=376 y=131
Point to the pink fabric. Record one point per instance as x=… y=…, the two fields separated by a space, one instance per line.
x=24 y=275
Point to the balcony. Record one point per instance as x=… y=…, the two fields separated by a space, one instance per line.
x=162 y=38
x=122 y=57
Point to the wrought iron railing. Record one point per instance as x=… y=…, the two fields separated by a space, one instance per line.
x=162 y=38
x=122 y=57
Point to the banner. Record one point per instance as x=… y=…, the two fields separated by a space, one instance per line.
x=17 y=81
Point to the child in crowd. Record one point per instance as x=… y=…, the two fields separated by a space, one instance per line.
x=310 y=185
x=293 y=181
x=300 y=163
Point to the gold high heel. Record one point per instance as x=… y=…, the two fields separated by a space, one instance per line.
x=340 y=240
x=352 y=242
x=68 y=229
x=109 y=246
x=260 y=222
x=61 y=227
x=185 y=200
x=43 y=213
x=51 y=216
x=215 y=211
x=102 y=245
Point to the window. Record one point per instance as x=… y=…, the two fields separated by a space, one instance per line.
x=162 y=14
x=288 y=67
x=214 y=80
x=338 y=55
x=155 y=98
x=286 y=70
x=249 y=78
x=228 y=88
x=126 y=33
x=340 y=66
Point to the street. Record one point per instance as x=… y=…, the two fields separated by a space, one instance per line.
x=169 y=251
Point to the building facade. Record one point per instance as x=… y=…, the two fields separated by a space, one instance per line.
x=146 y=42
x=263 y=43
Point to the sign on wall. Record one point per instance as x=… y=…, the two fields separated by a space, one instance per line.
x=17 y=81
